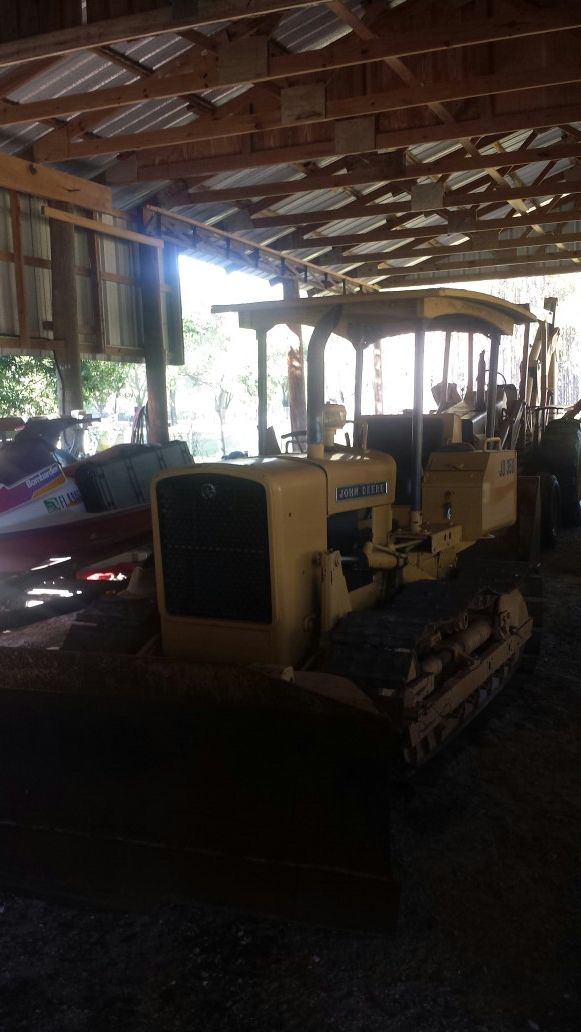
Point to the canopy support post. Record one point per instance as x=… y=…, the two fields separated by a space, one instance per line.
x=492 y=381
x=261 y=336
x=417 y=430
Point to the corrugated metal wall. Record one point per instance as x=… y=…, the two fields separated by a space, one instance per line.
x=108 y=289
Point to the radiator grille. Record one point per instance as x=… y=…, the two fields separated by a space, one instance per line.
x=214 y=545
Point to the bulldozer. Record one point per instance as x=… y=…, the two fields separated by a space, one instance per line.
x=546 y=436
x=321 y=624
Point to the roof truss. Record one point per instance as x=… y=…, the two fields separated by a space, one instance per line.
x=411 y=112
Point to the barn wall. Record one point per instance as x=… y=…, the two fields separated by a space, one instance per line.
x=108 y=288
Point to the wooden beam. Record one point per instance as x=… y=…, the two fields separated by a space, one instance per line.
x=453 y=250
x=19 y=278
x=213 y=71
x=153 y=344
x=252 y=245
x=461 y=225
x=512 y=271
x=101 y=227
x=65 y=318
x=134 y=26
x=270 y=117
x=362 y=207
x=162 y=163
x=165 y=164
x=484 y=262
x=28 y=178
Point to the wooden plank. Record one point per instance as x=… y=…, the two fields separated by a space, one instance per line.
x=21 y=305
x=453 y=251
x=28 y=178
x=269 y=118
x=101 y=227
x=304 y=103
x=394 y=44
x=154 y=345
x=262 y=248
x=458 y=222
x=510 y=271
x=438 y=229
x=96 y=272
x=134 y=26
x=65 y=318
x=355 y=132
x=492 y=262
x=163 y=164
x=451 y=198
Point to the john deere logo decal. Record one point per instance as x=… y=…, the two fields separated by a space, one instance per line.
x=347 y=493
x=208 y=492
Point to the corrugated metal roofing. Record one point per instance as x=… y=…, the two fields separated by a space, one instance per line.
x=304 y=29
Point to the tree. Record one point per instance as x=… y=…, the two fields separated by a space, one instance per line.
x=215 y=365
x=27 y=386
x=100 y=381
x=222 y=403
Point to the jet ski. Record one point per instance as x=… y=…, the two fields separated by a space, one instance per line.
x=55 y=507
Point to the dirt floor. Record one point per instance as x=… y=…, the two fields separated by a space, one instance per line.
x=487 y=844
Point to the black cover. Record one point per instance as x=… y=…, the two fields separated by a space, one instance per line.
x=124 y=481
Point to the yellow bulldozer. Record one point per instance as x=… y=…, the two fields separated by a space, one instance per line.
x=320 y=623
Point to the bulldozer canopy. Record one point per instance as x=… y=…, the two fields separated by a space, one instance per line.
x=376 y=316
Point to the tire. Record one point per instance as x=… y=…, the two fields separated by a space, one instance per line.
x=571 y=509
x=570 y=495
x=550 y=510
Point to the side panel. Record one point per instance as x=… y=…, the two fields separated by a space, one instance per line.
x=479 y=489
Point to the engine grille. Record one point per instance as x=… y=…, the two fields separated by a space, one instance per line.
x=214 y=544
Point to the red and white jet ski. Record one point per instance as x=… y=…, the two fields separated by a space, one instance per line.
x=52 y=507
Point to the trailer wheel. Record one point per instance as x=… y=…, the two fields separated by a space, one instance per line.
x=550 y=510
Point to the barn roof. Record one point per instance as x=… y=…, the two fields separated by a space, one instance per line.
x=364 y=143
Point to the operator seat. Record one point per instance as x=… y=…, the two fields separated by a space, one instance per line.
x=393 y=434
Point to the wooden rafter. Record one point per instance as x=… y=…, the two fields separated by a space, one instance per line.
x=391 y=79
x=213 y=70
x=271 y=115
x=467 y=248
x=394 y=172
x=162 y=162
x=312 y=273
x=28 y=178
x=134 y=26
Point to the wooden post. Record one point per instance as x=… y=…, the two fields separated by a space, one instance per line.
x=445 y=371
x=524 y=375
x=262 y=390
x=153 y=344
x=19 y=280
x=417 y=430
x=544 y=371
x=469 y=392
x=65 y=319
x=359 y=349
x=295 y=368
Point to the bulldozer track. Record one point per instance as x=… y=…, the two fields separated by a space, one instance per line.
x=376 y=649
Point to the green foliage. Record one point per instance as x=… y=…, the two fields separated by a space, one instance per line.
x=216 y=359
x=100 y=381
x=27 y=386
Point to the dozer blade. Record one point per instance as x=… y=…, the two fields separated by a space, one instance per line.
x=131 y=781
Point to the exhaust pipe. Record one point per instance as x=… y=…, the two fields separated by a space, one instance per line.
x=316 y=381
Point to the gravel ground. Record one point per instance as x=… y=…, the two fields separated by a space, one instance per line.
x=487 y=843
